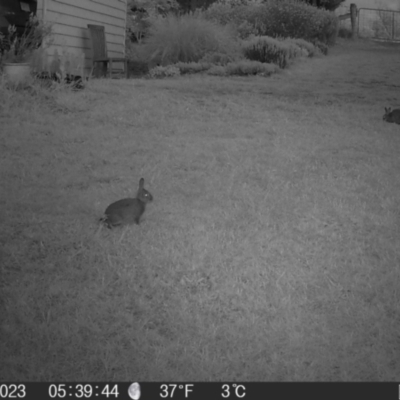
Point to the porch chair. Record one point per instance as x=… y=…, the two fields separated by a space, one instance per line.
x=100 y=55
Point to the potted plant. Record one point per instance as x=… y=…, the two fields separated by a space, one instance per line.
x=16 y=50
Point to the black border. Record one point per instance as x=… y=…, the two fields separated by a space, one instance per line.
x=211 y=391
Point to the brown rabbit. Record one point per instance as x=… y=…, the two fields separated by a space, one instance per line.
x=127 y=211
x=392 y=116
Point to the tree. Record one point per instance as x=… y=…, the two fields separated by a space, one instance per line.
x=140 y=13
x=330 y=5
x=192 y=5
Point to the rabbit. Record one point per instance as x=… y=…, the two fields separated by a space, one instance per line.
x=392 y=116
x=127 y=211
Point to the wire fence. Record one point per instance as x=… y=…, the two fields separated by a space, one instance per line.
x=379 y=24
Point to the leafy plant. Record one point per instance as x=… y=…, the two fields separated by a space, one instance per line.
x=219 y=58
x=241 y=15
x=323 y=48
x=330 y=5
x=345 y=32
x=19 y=49
x=266 y=49
x=141 y=13
x=138 y=68
x=243 y=68
x=286 y=18
x=248 y=67
x=293 y=18
x=217 y=70
x=193 y=67
x=164 y=72
x=308 y=48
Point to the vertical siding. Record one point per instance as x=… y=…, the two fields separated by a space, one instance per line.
x=69 y=20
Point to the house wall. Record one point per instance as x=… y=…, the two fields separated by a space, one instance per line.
x=70 y=37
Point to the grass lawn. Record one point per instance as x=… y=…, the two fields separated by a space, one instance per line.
x=271 y=251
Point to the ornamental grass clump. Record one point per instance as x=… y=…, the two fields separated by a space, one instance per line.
x=187 y=38
x=15 y=48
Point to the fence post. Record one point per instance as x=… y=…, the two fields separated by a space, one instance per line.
x=353 y=16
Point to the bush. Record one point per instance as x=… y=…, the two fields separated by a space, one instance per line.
x=239 y=67
x=323 y=48
x=345 y=32
x=240 y=15
x=303 y=44
x=243 y=67
x=219 y=58
x=286 y=18
x=137 y=68
x=187 y=38
x=192 y=67
x=248 y=67
x=296 y=19
x=266 y=49
x=164 y=72
x=217 y=70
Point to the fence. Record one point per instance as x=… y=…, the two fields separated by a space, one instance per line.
x=379 y=24
x=349 y=20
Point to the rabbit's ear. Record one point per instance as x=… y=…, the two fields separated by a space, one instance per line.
x=388 y=110
x=141 y=183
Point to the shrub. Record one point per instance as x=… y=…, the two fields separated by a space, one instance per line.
x=217 y=70
x=323 y=48
x=303 y=44
x=239 y=67
x=187 y=38
x=345 y=32
x=269 y=50
x=243 y=67
x=164 y=72
x=17 y=48
x=218 y=58
x=248 y=67
x=241 y=15
x=286 y=18
x=137 y=68
x=192 y=67
x=294 y=18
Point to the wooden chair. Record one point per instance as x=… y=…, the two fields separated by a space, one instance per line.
x=100 y=55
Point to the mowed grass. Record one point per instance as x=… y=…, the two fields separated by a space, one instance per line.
x=271 y=251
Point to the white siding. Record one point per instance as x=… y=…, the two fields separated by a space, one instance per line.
x=69 y=20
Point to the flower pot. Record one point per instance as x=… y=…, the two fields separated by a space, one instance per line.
x=17 y=73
